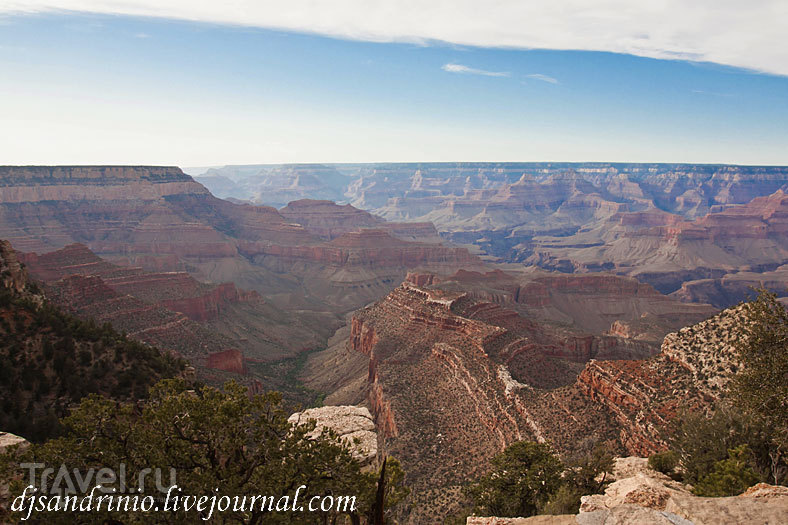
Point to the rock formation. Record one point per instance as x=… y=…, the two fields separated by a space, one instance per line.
x=353 y=425
x=666 y=224
x=216 y=327
x=50 y=359
x=328 y=220
x=668 y=251
x=591 y=302
x=510 y=374
x=643 y=496
x=163 y=221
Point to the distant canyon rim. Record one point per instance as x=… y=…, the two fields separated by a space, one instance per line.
x=561 y=302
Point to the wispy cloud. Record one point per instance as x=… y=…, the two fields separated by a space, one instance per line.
x=669 y=29
x=543 y=78
x=141 y=35
x=459 y=68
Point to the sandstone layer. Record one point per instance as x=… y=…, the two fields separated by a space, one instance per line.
x=510 y=374
x=223 y=330
x=666 y=224
x=161 y=220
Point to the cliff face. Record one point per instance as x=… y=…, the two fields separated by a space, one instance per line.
x=692 y=370
x=467 y=338
x=494 y=344
x=163 y=221
x=668 y=251
x=592 y=302
x=328 y=221
x=176 y=291
x=50 y=359
x=217 y=327
x=420 y=354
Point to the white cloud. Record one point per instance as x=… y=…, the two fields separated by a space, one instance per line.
x=543 y=78
x=459 y=68
x=141 y=35
x=747 y=34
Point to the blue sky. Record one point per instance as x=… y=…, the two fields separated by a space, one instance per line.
x=88 y=88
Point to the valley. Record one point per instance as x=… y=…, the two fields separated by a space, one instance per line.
x=466 y=306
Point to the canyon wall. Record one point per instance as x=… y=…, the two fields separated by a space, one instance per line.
x=160 y=219
x=459 y=366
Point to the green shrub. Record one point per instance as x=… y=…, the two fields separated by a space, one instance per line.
x=665 y=462
x=731 y=476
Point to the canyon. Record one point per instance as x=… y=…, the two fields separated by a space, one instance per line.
x=665 y=224
x=217 y=326
x=466 y=306
x=160 y=219
x=50 y=359
x=455 y=368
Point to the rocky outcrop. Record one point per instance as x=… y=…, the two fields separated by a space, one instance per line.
x=353 y=425
x=367 y=248
x=216 y=326
x=650 y=497
x=512 y=373
x=13 y=275
x=230 y=360
x=592 y=302
x=176 y=291
x=8 y=440
x=643 y=496
x=328 y=221
x=692 y=370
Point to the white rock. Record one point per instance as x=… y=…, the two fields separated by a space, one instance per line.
x=354 y=425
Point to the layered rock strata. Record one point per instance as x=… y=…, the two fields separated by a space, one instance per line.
x=163 y=221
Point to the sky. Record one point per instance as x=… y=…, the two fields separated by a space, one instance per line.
x=189 y=84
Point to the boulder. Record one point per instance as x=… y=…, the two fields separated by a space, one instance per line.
x=646 y=497
x=354 y=425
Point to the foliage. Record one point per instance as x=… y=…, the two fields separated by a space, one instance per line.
x=753 y=414
x=761 y=388
x=565 y=500
x=701 y=442
x=729 y=477
x=665 y=461
x=216 y=442
x=523 y=477
x=50 y=359
x=586 y=474
x=528 y=478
